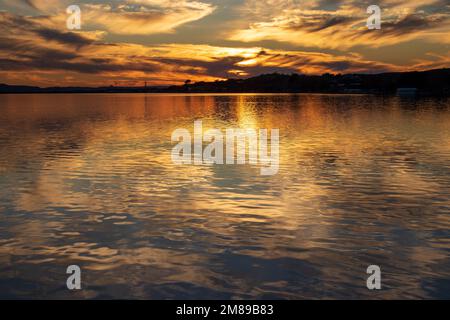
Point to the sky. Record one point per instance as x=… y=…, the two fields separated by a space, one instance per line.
x=162 y=42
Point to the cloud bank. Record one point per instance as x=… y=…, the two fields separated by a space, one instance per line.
x=112 y=48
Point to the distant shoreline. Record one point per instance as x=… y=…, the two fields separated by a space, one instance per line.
x=422 y=83
x=197 y=93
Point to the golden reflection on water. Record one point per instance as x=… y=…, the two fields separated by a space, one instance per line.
x=88 y=180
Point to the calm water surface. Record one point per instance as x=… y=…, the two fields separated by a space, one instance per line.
x=88 y=180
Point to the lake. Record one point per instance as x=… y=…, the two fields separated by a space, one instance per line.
x=88 y=180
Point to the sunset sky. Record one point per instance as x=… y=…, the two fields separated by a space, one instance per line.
x=128 y=42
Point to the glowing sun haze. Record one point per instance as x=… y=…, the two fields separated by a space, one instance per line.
x=127 y=42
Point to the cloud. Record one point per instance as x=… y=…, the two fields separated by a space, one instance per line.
x=37 y=49
x=254 y=61
x=69 y=38
x=342 y=24
x=129 y=17
x=53 y=54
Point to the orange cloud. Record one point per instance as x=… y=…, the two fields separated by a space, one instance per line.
x=148 y=17
x=309 y=24
x=39 y=50
x=130 y=17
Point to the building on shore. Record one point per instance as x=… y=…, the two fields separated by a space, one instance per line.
x=406 y=92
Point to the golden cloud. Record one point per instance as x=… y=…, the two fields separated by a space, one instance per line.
x=148 y=17
x=309 y=24
x=138 y=17
x=39 y=50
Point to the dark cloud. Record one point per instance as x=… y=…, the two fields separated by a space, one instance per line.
x=409 y=24
x=52 y=61
x=23 y=25
x=69 y=38
x=333 y=21
x=314 y=23
x=30 y=50
x=277 y=62
x=412 y=23
x=218 y=68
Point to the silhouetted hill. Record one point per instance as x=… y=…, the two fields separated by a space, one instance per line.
x=433 y=82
